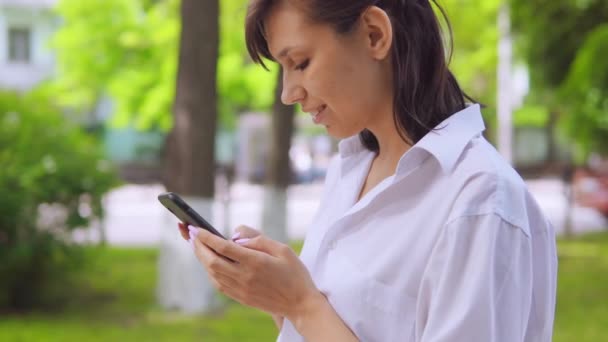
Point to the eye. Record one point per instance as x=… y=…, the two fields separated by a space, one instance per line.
x=303 y=65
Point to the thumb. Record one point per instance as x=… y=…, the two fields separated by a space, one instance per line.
x=263 y=244
x=244 y=232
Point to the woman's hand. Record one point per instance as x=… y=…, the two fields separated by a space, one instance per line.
x=242 y=232
x=266 y=274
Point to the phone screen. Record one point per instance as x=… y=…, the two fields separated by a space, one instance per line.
x=185 y=213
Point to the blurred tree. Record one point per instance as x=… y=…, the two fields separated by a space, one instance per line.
x=565 y=44
x=133 y=61
x=585 y=91
x=274 y=218
x=189 y=157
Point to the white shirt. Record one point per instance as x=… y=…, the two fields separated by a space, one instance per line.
x=452 y=247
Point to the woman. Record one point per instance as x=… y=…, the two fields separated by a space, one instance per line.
x=424 y=232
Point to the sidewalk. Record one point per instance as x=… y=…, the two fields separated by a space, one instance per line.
x=134 y=217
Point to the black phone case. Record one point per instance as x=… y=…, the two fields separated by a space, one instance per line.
x=185 y=213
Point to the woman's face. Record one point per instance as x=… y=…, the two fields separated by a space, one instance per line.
x=336 y=78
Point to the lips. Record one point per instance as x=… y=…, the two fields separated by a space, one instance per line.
x=317 y=115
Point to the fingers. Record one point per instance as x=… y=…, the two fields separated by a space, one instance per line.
x=215 y=268
x=183 y=230
x=224 y=275
x=215 y=264
x=222 y=247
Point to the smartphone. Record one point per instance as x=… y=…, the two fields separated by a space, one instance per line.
x=185 y=213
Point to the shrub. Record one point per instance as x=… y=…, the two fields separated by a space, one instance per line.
x=52 y=179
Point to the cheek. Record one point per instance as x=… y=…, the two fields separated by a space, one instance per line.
x=349 y=108
x=354 y=87
x=353 y=105
x=347 y=88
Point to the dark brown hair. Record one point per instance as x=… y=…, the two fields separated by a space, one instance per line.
x=426 y=92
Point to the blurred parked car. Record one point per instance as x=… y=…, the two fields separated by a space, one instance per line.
x=590 y=187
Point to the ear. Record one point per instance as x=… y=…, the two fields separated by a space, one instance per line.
x=378 y=31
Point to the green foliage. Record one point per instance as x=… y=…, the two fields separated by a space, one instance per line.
x=127 y=50
x=242 y=85
x=585 y=93
x=565 y=44
x=49 y=166
x=550 y=33
x=475 y=56
x=475 y=46
x=530 y=115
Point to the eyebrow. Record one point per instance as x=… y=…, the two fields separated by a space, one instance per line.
x=284 y=52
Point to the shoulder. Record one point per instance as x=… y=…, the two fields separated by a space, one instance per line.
x=488 y=185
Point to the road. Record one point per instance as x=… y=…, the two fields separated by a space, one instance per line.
x=135 y=218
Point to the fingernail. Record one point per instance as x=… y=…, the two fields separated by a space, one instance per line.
x=235 y=236
x=192 y=236
x=193 y=230
x=242 y=241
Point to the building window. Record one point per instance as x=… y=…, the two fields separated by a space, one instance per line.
x=19 y=45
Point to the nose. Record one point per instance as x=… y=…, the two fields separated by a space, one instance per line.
x=292 y=91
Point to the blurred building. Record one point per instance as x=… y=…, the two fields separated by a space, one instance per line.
x=25 y=28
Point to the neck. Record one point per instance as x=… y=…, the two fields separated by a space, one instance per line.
x=391 y=144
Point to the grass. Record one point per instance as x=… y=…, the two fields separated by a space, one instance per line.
x=116 y=302
x=582 y=293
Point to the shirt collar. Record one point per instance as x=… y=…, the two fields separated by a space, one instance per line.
x=447 y=141
x=350 y=146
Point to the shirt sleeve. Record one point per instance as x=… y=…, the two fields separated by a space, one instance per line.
x=477 y=285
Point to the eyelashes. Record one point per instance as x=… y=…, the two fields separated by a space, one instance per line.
x=303 y=65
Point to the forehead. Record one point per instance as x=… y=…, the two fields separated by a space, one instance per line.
x=289 y=26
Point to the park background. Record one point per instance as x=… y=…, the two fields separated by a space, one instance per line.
x=106 y=103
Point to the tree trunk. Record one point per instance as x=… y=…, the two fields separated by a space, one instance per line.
x=567 y=181
x=189 y=160
x=552 y=152
x=274 y=219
